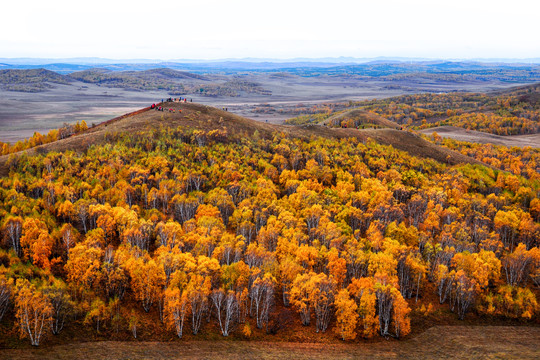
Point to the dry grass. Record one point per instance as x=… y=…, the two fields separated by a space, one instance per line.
x=439 y=342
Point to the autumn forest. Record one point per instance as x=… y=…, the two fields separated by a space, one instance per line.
x=218 y=231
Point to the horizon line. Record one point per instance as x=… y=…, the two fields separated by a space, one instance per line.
x=338 y=59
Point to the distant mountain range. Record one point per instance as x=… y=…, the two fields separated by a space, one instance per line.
x=69 y=65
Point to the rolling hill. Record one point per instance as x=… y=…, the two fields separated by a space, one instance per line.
x=207 y=118
x=140 y=79
x=32 y=80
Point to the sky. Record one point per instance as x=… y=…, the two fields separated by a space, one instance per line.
x=279 y=29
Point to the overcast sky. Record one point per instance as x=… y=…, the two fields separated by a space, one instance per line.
x=217 y=29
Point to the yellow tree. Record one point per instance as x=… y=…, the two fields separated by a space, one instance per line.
x=83 y=267
x=32 y=310
x=301 y=297
x=411 y=270
x=337 y=267
x=98 y=313
x=518 y=302
x=169 y=234
x=226 y=307
x=147 y=280
x=113 y=277
x=177 y=306
x=473 y=273
x=288 y=270
x=61 y=304
x=223 y=201
x=506 y=224
x=6 y=290
x=401 y=310
x=385 y=301
x=535 y=265
x=198 y=290
x=363 y=291
x=12 y=228
x=262 y=296
x=346 y=315
x=36 y=242
x=171 y=259
x=464 y=292
x=517 y=265
x=323 y=299
x=68 y=237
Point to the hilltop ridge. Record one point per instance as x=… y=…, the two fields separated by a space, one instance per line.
x=207 y=118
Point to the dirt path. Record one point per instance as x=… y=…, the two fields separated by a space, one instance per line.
x=439 y=342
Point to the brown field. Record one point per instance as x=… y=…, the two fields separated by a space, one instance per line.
x=461 y=134
x=439 y=342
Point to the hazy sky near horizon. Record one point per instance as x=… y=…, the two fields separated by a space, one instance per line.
x=217 y=29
